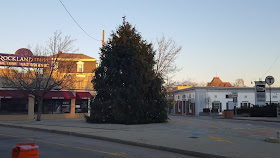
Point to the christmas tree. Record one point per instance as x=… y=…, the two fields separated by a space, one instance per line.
x=128 y=89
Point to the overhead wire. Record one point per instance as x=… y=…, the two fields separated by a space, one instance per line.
x=268 y=69
x=77 y=22
x=271 y=66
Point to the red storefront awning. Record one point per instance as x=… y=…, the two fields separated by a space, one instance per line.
x=59 y=95
x=83 y=95
x=15 y=94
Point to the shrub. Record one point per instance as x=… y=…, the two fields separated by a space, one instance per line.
x=264 y=111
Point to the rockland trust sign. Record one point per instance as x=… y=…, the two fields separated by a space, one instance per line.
x=24 y=58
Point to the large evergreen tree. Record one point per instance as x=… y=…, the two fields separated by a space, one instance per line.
x=128 y=89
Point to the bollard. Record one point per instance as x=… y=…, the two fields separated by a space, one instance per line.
x=25 y=150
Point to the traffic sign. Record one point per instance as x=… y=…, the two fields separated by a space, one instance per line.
x=175 y=102
x=269 y=80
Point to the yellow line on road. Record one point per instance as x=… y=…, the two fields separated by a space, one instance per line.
x=75 y=147
x=219 y=139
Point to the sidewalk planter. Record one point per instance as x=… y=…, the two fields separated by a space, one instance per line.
x=25 y=150
x=228 y=113
x=214 y=110
x=206 y=110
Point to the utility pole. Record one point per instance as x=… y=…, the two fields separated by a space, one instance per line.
x=103 y=40
x=270 y=94
x=102 y=53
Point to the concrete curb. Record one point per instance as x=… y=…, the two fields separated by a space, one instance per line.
x=256 y=120
x=157 y=147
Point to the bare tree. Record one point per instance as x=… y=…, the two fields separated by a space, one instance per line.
x=202 y=84
x=167 y=51
x=188 y=82
x=239 y=83
x=39 y=81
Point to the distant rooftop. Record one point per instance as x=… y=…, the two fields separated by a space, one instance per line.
x=217 y=82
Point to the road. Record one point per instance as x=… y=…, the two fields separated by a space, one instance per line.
x=56 y=145
x=228 y=128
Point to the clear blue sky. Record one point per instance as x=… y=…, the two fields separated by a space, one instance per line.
x=233 y=39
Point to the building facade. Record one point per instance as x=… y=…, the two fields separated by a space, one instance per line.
x=192 y=101
x=72 y=102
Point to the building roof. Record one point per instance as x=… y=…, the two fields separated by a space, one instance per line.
x=231 y=89
x=72 y=55
x=183 y=87
x=217 y=82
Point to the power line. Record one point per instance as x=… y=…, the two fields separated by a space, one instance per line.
x=271 y=66
x=268 y=69
x=77 y=22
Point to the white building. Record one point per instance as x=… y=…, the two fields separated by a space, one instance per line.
x=192 y=101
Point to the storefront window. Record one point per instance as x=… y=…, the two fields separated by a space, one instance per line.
x=81 y=106
x=13 y=106
x=55 y=106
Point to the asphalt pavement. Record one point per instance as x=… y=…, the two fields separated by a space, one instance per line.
x=52 y=145
x=196 y=136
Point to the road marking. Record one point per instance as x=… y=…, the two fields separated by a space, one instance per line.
x=195 y=134
x=219 y=139
x=75 y=147
x=212 y=125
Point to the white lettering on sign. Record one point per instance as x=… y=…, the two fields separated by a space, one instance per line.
x=15 y=58
x=260 y=88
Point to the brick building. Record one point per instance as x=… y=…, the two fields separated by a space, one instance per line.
x=66 y=103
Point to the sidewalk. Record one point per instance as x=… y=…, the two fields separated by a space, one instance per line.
x=185 y=136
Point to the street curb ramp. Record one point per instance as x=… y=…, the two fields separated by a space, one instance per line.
x=157 y=147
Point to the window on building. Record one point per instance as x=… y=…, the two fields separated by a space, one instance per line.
x=215 y=96
x=275 y=96
x=54 y=106
x=228 y=96
x=216 y=106
x=13 y=106
x=245 y=96
x=80 y=66
x=81 y=106
x=245 y=105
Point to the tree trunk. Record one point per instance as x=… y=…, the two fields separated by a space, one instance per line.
x=40 y=108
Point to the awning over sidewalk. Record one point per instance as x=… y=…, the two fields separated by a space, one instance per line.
x=14 y=94
x=59 y=95
x=83 y=95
